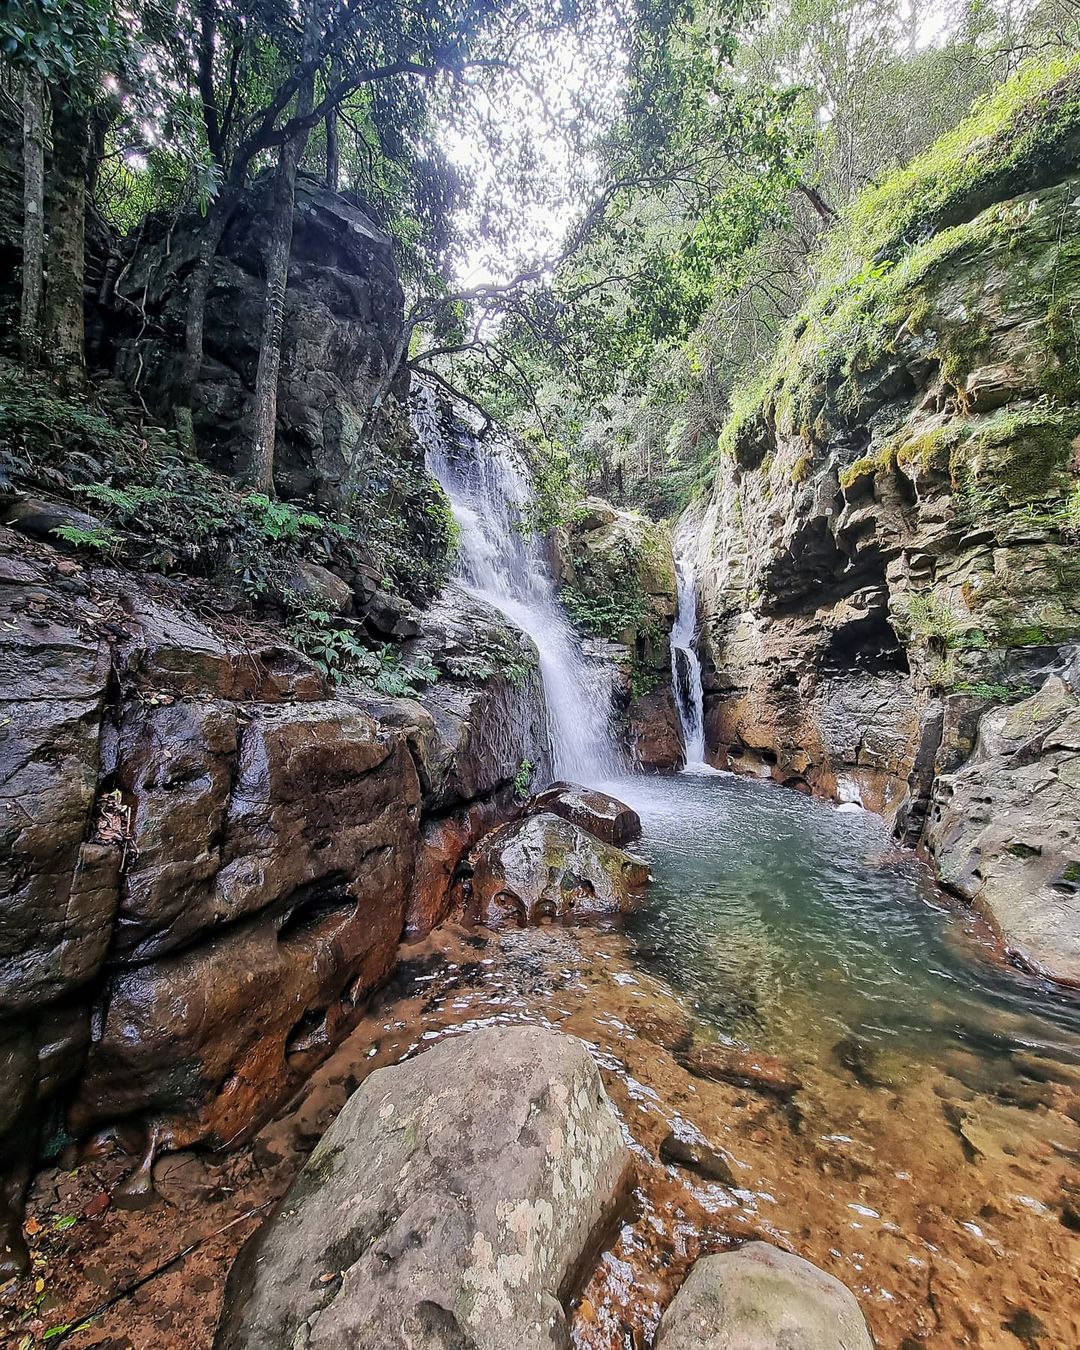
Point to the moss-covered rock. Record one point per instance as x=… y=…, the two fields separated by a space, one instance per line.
x=893 y=510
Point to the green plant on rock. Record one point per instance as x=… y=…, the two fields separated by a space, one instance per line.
x=610 y=616
x=98 y=540
x=523 y=779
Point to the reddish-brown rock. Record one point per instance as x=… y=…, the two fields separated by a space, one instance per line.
x=595 y=812
x=742 y=1067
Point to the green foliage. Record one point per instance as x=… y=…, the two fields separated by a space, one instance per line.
x=345 y=659
x=523 y=779
x=612 y=616
x=167 y=511
x=99 y=540
x=915 y=225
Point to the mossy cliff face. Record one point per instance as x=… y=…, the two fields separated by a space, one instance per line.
x=616 y=572
x=888 y=542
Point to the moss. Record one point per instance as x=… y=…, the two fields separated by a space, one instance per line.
x=958 y=350
x=880 y=267
x=1020 y=454
x=800 y=470
x=881 y=461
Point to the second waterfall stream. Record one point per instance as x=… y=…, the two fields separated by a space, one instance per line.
x=502 y=563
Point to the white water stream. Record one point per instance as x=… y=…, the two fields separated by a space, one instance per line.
x=503 y=564
x=686 y=668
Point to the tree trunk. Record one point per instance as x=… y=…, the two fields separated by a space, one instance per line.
x=260 y=472
x=333 y=155
x=198 y=288
x=264 y=417
x=33 y=241
x=65 y=325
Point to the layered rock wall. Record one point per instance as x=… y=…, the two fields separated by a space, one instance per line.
x=887 y=546
x=210 y=854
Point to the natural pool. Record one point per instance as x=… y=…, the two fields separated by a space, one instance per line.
x=804 y=930
x=931 y=1159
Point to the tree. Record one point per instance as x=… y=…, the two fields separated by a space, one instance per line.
x=67 y=46
x=260 y=471
x=33 y=277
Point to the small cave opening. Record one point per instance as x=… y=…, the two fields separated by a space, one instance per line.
x=869 y=645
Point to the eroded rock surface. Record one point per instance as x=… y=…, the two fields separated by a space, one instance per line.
x=596 y=812
x=545 y=867
x=617 y=571
x=210 y=856
x=1004 y=829
x=762 y=1298
x=885 y=533
x=453 y=1203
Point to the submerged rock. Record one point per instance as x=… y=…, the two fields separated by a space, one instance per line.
x=742 y=1067
x=451 y=1204
x=601 y=815
x=762 y=1298
x=544 y=867
x=698 y=1156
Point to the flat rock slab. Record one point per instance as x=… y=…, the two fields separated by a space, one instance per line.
x=455 y=1204
x=761 y=1298
x=743 y=1068
x=596 y=812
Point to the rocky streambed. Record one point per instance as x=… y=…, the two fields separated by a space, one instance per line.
x=932 y=1168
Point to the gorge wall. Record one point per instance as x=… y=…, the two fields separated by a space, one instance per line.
x=211 y=849
x=887 y=545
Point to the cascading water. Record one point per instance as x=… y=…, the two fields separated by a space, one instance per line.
x=503 y=564
x=686 y=668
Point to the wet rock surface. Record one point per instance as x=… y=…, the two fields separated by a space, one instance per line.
x=209 y=856
x=452 y=1203
x=1004 y=829
x=596 y=812
x=762 y=1298
x=743 y=1067
x=544 y=867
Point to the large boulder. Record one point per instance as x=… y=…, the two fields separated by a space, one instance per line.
x=544 y=867
x=596 y=812
x=452 y=1204
x=1004 y=829
x=343 y=316
x=762 y=1298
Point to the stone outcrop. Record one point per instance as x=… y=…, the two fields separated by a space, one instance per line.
x=617 y=574
x=895 y=527
x=343 y=316
x=455 y=1202
x=762 y=1298
x=544 y=867
x=1004 y=829
x=211 y=854
x=887 y=548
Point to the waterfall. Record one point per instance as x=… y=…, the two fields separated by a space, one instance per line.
x=502 y=563
x=686 y=668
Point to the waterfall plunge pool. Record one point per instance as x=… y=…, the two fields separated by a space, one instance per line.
x=930 y=1160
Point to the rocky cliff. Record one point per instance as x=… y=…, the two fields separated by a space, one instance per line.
x=211 y=853
x=616 y=574
x=886 y=545
x=238 y=765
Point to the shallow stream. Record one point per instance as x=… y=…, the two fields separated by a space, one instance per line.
x=931 y=1159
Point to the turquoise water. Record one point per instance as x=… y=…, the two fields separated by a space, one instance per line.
x=804 y=930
